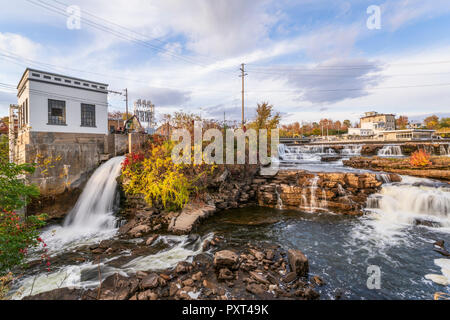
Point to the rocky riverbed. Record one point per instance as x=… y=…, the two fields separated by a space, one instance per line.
x=223 y=271
x=439 y=168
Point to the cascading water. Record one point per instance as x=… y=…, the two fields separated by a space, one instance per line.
x=313 y=204
x=92 y=218
x=403 y=204
x=279 y=200
x=94 y=208
x=286 y=154
x=400 y=206
x=351 y=150
x=444 y=150
x=390 y=151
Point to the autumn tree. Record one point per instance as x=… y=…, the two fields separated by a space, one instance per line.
x=347 y=123
x=432 y=122
x=401 y=122
x=264 y=118
x=444 y=123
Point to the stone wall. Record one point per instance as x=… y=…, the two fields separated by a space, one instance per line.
x=340 y=193
x=120 y=144
x=438 y=169
x=64 y=160
x=337 y=192
x=136 y=141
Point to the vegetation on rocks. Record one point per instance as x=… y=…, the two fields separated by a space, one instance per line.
x=153 y=174
x=17 y=233
x=420 y=158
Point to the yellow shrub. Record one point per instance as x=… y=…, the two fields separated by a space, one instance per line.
x=420 y=158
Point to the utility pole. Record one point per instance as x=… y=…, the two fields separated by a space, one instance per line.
x=126 y=101
x=243 y=74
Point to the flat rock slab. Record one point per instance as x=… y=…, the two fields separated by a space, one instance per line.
x=189 y=217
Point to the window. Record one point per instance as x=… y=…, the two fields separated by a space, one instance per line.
x=47 y=77
x=94 y=86
x=56 y=112
x=67 y=81
x=57 y=79
x=77 y=82
x=86 y=84
x=37 y=75
x=87 y=115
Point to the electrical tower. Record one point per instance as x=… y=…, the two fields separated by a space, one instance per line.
x=144 y=110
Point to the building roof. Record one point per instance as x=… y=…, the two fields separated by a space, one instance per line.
x=409 y=130
x=378 y=114
x=58 y=75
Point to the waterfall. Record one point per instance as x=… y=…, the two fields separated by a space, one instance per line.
x=390 y=151
x=279 y=200
x=286 y=153
x=312 y=205
x=313 y=188
x=352 y=150
x=94 y=208
x=92 y=218
x=404 y=204
x=384 y=177
x=444 y=151
x=324 y=203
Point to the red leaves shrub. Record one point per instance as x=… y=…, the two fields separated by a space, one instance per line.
x=420 y=158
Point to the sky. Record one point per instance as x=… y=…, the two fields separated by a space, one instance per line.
x=310 y=59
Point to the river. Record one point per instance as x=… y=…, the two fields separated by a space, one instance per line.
x=340 y=249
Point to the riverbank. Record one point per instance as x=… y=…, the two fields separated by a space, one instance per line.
x=340 y=193
x=223 y=271
x=438 y=169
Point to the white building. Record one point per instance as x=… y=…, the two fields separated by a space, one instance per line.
x=63 y=121
x=372 y=124
x=51 y=102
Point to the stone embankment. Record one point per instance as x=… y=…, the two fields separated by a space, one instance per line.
x=439 y=169
x=408 y=148
x=342 y=193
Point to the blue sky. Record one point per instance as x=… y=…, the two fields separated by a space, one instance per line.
x=309 y=58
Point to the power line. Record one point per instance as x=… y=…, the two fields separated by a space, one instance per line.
x=358 y=89
x=15 y=57
x=116 y=33
x=145 y=37
x=342 y=67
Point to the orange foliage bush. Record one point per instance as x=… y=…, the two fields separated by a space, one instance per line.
x=420 y=158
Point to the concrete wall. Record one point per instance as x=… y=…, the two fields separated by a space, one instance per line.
x=120 y=144
x=136 y=141
x=71 y=158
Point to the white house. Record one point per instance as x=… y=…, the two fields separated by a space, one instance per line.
x=50 y=102
x=63 y=121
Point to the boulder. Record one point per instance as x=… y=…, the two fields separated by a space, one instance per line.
x=225 y=258
x=225 y=274
x=298 y=262
x=256 y=289
x=150 y=282
x=151 y=239
x=139 y=230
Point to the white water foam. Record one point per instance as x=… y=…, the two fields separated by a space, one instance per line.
x=92 y=218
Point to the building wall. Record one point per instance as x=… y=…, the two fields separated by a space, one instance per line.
x=71 y=157
x=370 y=121
x=39 y=93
